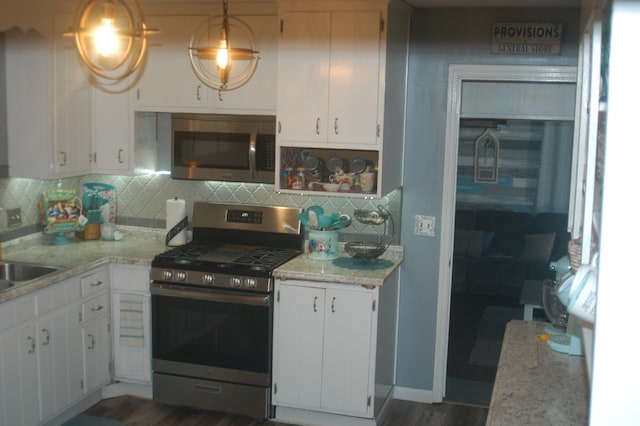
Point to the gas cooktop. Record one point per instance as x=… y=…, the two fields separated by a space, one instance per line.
x=225 y=258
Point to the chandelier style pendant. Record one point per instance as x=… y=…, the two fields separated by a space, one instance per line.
x=215 y=55
x=111 y=37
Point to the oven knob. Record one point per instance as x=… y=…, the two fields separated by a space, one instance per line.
x=181 y=276
x=235 y=282
x=167 y=275
x=207 y=278
x=250 y=282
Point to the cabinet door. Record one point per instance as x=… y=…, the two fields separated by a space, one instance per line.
x=347 y=352
x=258 y=94
x=95 y=340
x=48 y=104
x=112 y=135
x=59 y=361
x=354 y=77
x=303 y=76
x=72 y=105
x=298 y=334
x=19 y=377
x=168 y=81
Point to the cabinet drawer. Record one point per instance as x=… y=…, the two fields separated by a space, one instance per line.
x=95 y=307
x=57 y=295
x=94 y=282
x=16 y=311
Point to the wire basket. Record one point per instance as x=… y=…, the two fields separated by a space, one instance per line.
x=365 y=251
x=368 y=251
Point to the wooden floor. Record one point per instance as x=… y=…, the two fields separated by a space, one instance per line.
x=143 y=412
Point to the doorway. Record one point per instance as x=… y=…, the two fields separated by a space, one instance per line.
x=483 y=96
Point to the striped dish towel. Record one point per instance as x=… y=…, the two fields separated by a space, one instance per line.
x=131 y=320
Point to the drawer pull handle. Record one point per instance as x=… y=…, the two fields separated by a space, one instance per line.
x=96 y=284
x=47 y=338
x=209 y=389
x=96 y=308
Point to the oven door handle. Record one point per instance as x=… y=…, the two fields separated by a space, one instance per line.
x=209 y=295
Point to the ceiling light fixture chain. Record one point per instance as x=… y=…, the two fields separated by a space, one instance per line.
x=221 y=64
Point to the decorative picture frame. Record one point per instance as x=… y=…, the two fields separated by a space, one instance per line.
x=487 y=155
x=62 y=210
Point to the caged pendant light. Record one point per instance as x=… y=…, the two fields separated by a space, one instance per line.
x=111 y=37
x=215 y=55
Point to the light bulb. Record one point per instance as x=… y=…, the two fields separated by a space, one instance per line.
x=222 y=56
x=104 y=38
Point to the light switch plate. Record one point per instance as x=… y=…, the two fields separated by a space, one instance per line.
x=425 y=226
x=14 y=217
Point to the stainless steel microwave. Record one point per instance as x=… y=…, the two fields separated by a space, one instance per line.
x=237 y=148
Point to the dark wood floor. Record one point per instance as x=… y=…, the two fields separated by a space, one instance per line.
x=144 y=412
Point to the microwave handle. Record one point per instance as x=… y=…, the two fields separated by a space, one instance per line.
x=252 y=154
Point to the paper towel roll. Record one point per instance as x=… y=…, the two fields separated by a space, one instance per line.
x=176 y=212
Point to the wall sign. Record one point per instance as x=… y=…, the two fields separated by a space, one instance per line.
x=518 y=38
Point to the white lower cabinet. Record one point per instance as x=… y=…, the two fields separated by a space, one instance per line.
x=96 y=344
x=324 y=347
x=18 y=377
x=96 y=325
x=59 y=360
x=57 y=349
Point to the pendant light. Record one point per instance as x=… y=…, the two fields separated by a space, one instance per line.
x=216 y=55
x=111 y=37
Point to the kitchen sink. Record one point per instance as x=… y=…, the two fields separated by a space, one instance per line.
x=15 y=272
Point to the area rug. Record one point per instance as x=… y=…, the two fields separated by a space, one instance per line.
x=486 y=350
x=86 y=420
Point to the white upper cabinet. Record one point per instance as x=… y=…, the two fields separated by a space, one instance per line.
x=342 y=68
x=329 y=77
x=48 y=104
x=167 y=82
x=112 y=129
x=258 y=95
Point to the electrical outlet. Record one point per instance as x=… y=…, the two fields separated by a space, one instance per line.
x=425 y=226
x=14 y=217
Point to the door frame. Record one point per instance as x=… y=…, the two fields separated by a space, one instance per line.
x=457 y=75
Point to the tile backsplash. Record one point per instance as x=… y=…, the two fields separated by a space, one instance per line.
x=141 y=200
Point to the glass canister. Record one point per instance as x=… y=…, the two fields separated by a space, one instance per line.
x=323 y=245
x=298 y=179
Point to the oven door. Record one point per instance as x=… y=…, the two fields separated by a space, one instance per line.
x=212 y=334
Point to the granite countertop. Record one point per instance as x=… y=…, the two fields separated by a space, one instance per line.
x=344 y=269
x=535 y=385
x=138 y=246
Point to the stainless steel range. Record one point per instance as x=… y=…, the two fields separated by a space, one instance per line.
x=212 y=308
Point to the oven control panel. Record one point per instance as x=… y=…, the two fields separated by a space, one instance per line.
x=208 y=279
x=244 y=216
